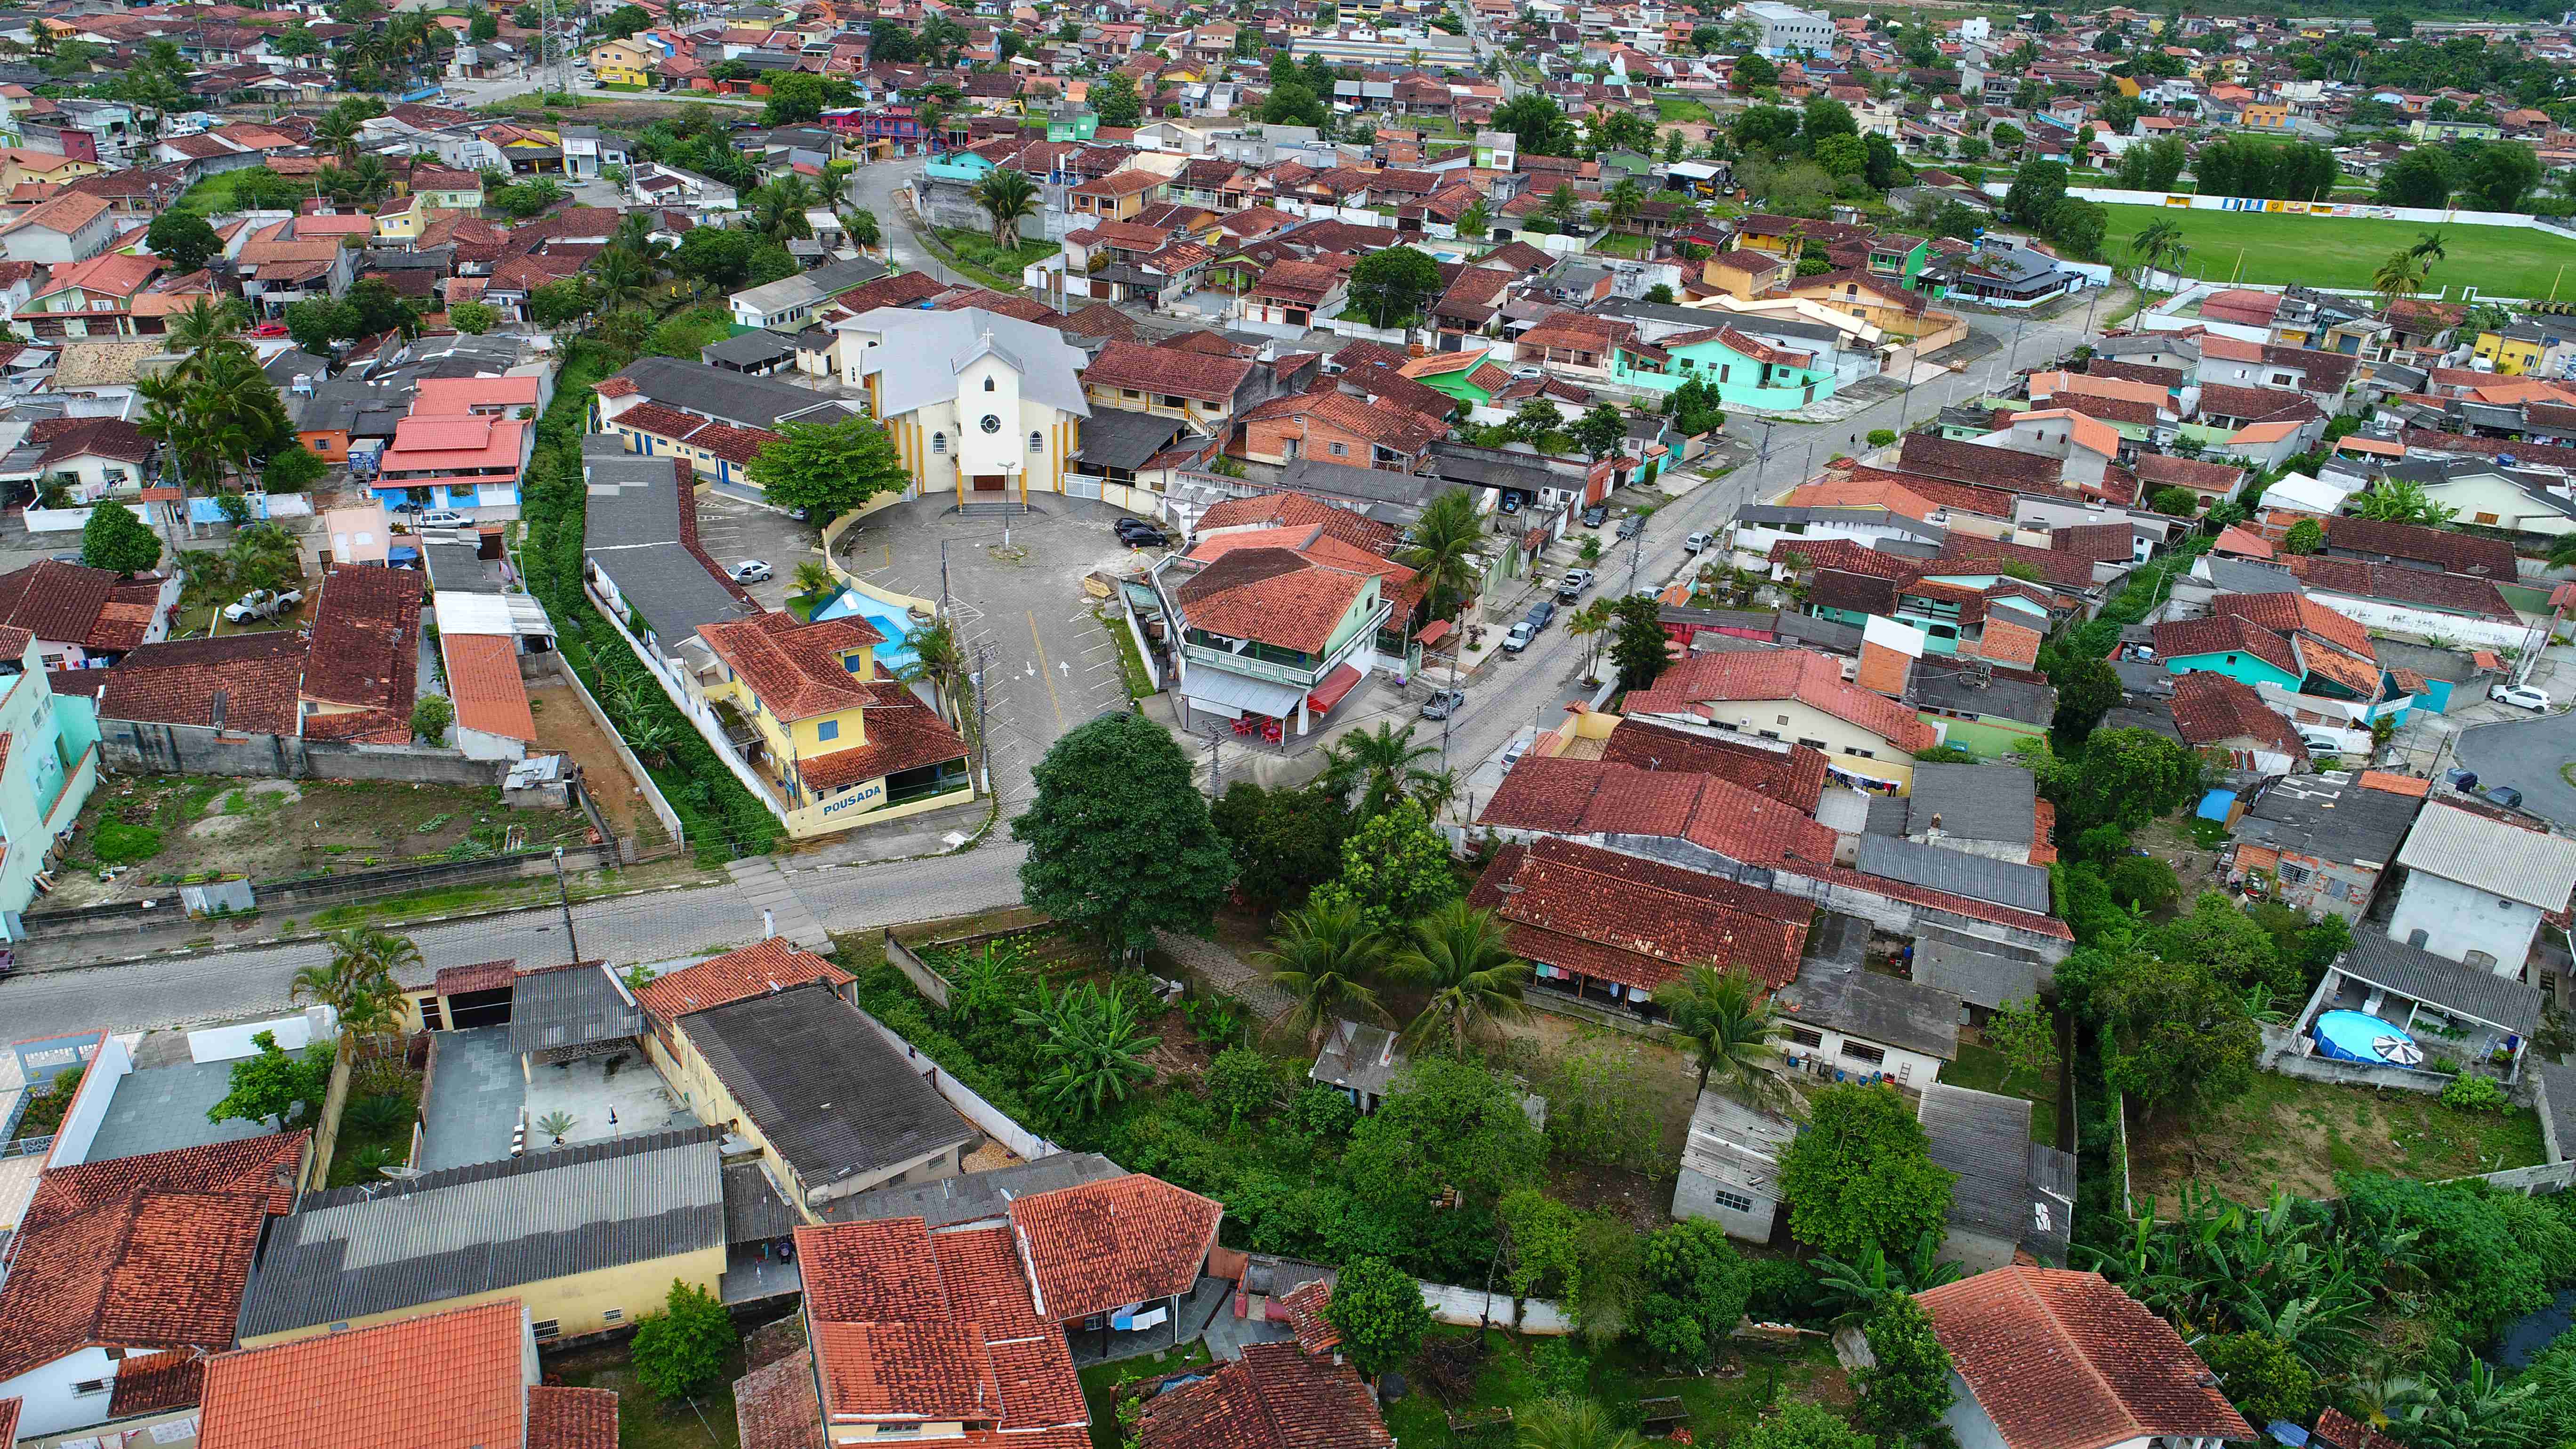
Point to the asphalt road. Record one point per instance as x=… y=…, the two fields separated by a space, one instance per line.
x=2525 y=754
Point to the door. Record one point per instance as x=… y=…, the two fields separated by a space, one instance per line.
x=990 y=482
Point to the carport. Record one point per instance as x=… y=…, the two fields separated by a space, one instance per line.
x=563 y=1013
x=1235 y=697
x=472 y=996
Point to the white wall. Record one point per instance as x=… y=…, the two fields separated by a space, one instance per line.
x=1968 y=1423
x=49 y=1405
x=2398 y=619
x=88 y=1110
x=1912 y=1069
x=2456 y=920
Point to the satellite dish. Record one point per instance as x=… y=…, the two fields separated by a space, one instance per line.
x=399 y=1172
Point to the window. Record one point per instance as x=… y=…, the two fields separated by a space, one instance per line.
x=939 y=442
x=1037 y=441
x=1725 y=1199
x=1171 y=401
x=2293 y=874
x=1782 y=719
x=853 y=663
x=1855 y=1051
x=1768 y=734
x=1806 y=1038
x=91 y=1386
x=988 y=384
x=546 y=1330
x=829 y=729
x=1337 y=450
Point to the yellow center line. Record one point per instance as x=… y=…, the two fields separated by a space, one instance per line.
x=1047 y=678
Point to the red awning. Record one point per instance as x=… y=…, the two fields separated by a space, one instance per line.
x=1336 y=687
x=1438 y=629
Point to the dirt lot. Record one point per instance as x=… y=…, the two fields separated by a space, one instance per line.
x=2169 y=839
x=563 y=725
x=262 y=829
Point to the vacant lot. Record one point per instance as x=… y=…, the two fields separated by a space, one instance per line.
x=2278 y=247
x=169 y=828
x=2296 y=1135
x=1718 y=1407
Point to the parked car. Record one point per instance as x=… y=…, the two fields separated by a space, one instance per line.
x=1520 y=637
x=1697 y=542
x=2504 y=795
x=1540 y=614
x=1137 y=533
x=1632 y=525
x=1512 y=754
x=1443 y=703
x=1596 y=515
x=2459 y=779
x=261 y=604
x=72 y=557
x=2320 y=744
x=2520 y=695
x=1511 y=502
x=1572 y=586
x=441 y=518
x=750 y=571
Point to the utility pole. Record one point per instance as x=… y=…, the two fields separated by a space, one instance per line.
x=1636 y=554
x=564 y=899
x=1216 y=762
x=983 y=739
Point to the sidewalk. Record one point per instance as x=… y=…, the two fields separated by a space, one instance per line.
x=928 y=834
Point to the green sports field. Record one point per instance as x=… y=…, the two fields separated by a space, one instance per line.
x=2282 y=247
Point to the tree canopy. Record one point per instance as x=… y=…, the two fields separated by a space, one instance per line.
x=829 y=469
x=1118 y=835
x=1861 y=1176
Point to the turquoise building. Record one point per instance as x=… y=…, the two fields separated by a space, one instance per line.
x=49 y=767
x=1747 y=372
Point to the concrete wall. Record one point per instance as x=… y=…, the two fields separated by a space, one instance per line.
x=132 y=747
x=577 y=1303
x=2457 y=921
x=915 y=970
x=635 y=770
x=1695 y=1196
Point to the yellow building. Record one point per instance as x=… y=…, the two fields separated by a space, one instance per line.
x=2265 y=116
x=835 y=738
x=2513 y=354
x=624 y=63
x=588 y=1236
x=976 y=403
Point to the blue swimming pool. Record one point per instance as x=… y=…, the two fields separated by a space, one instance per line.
x=2357 y=1036
x=897 y=625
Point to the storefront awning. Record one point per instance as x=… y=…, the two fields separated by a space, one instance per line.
x=1237 y=694
x=1335 y=688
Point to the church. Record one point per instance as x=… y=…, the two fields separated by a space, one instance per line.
x=984 y=406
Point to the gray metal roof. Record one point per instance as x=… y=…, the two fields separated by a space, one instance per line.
x=808 y=288
x=1359 y=1056
x=2245 y=576
x=754 y=1212
x=1737 y=1145
x=1975 y=970
x=727 y=397
x=1974 y=802
x=2008 y=1186
x=1882 y=1009
x=976 y=1195
x=1824 y=634
x=2020 y=700
x=2331 y=817
x=1115 y=438
x=487 y=1228
x=2436 y=981
x=2022 y=887
x=571 y=1006
x=1894 y=522
x=746 y=348
x=1341 y=480
x=830 y=1095
x=671 y=588
x=2489 y=855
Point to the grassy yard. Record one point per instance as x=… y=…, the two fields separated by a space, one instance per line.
x=2271 y=247
x=1623 y=244
x=213 y=194
x=1671 y=107
x=2296 y=1135
x=975 y=254
x=1100 y=1384
x=1721 y=1407
x=1982 y=1068
x=645 y=1420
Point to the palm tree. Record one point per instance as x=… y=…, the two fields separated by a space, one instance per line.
x=358 y=982
x=779 y=208
x=2428 y=247
x=1590 y=623
x=1475 y=221
x=1561 y=204
x=2157 y=244
x=369 y=179
x=338 y=134
x=1731 y=1027
x=1323 y=949
x=1445 y=543
x=1475 y=980
x=624 y=280
x=1571 y=1423
x=1008 y=196
x=861 y=225
x=1382 y=760
x=2401 y=275
x=557 y=1124
x=204 y=324
x=814 y=579
x=1623 y=201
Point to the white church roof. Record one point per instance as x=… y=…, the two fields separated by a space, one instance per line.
x=917 y=343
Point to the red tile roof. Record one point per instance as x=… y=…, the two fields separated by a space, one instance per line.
x=776 y=1406
x=907 y=1371
x=1977 y=463
x=1638 y=922
x=794 y=668
x=763 y=966
x=366 y=653
x=2062 y=1360
x=483 y=680
x=2211 y=709
x=1286 y=509
x=1596 y=797
x=2294 y=614
x=1168 y=370
x=145 y=1270
x=1277 y=1396
x=367 y=1386
x=2458 y=553
x=567 y=1418
x=2225 y=634
x=1120 y=1240
x=267 y=1166
x=902 y=734
x=2064 y=569
x=154 y=1384
x=1290 y=596
x=1304 y=1306
x=1794 y=776
x=1689 y=687
x=58 y=601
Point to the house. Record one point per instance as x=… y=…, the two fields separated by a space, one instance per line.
x=802 y=1076
x=2011 y=1196
x=714 y=419
x=1280 y=625
x=787 y=304
x=1359 y=1061
x=1989 y=810
x=976 y=403
x=92 y=458
x=2043 y=1358
x=359 y=680
x=2481 y=1017
x=48 y=767
x=1843 y=1021
x=479 y=1387
x=1204 y=389
x=2327 y=840
x=1730 y=1172
x=2213 y=712
x=586 y=1237
x=93 y=1292
x=84 y=618
x=71 y=226
x=472 y=465
x=2476 y=887
x=1391 y=429
x=1276 y=1396
x=1793 y=696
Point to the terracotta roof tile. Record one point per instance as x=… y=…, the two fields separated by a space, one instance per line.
x=1843 y=555
x=794 y=668
x=776 y=1406
x=1304 y=1306
x=1169 y=370
x=483 y=680
x=768 y=965
x=2210 y=709
x=145 y=1270
x=1979 y=464
x=1795 y=776
x=156 y=1383
x=903 y=734
x=2062 y=1360
x=1691 y=685
x=1637 y=922
x=2458 y=553
x=2296 y=614
x=269 y=1166
x=567 y=1418
x=871 y=1272
x=1275 y=595
x=1116 y=1241
x=366 y=640
x=907 y=1370
x=366 y=1386
x=1598 y=797
x=2224 y=634
x=1277 y=1396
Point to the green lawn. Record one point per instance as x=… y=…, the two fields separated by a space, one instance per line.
x=1670 y=107
x=2278 y=247
x=2296 y=1135
x=1982 y=1068
x=1720 y=1409
x=214 y=194
x=1100 y=1381
x=1623 y=244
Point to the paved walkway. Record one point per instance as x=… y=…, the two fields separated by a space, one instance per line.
x=1227 y=973
x=767 y=891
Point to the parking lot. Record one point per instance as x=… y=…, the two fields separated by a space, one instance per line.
x=732 y=530
x=1051 y=665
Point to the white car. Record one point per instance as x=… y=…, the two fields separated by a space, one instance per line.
x=749 y=571
x=1697 y=541
x=2522 y=695
x=261 y=604
x=442 y=518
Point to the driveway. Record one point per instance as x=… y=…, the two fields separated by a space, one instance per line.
x=733 y=530
x=1052 y=664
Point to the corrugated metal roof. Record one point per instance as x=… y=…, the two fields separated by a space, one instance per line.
x=571 y=1006
x=2419 y=975
x=2022 y=887
x=2488 y=855
x=357 y=1251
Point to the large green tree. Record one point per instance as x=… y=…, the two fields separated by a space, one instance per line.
x=2176 y=1037
x=829 y=469
x=1394 y=284
x=1639 y=648
x=1118 y=835
x=1861 y=1176
x=184 y=239
x=115 y=540
x=682 y=1348
x=2127 y=777
x=1446 y=1124
x=1905 y=1393
x=1395 y=869
x=273 y=1086
x=1696 y=1288
x=1285 y=842
x=2087 y=689
x=1378 y=1310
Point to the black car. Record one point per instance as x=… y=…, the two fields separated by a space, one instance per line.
x=2504 y=795
x=1137 y=533
x=1596 y=515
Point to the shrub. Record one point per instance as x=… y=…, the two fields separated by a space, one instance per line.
x=1321 y=1112
x=1242 y=1083
x=2475 y=1094
x=1881 y=437
x=118 y=843
x=681 y=1347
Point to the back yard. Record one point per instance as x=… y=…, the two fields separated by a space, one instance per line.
x=2295 y=1135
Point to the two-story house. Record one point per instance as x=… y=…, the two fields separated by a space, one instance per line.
x=1280 y=625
